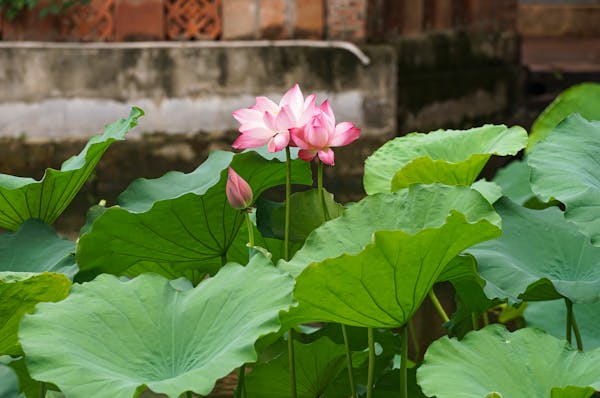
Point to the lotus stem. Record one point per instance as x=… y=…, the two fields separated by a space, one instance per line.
x=569 y=305
x=188 y=394
x=292 y=364
x=371 y=371
x=438 y=306
x=404 y=363
x=43 y=389
x=241 y=386
x=474 y=321
x=572 y=325
x=250 y=228
x=349 y=361
x=414 y=339
x=486 y=319
x=320 y=190
x=288 y=192
x=286 y=256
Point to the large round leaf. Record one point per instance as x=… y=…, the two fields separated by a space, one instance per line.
x=514 y=181
x=317 y=365
x=178 y=224
x=551 y=317
x=36 y=247
x=374 y=265
x=24 y=198
x=525 y=364
x=384 y=285
x=565 y=167
x=540 y=256
x=411 y=210
x=447 y=156
x=111 y=338
x=19 y=293
x=582 y=98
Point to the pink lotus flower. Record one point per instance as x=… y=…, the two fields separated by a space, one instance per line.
x=318 y=137
x=268 y=123
x=239 y=193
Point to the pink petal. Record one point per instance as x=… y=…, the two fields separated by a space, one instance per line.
x=297 y=136
x=344 y=134
x=278 y=142
x=245 y=141
x=263 y=104
x=306 y=155
x=325 y=107
x=317 y=136
x=258 y=132
x=284 y=119
x=294 y=99
x=327 y=156
x=309 y=111
x=247 y=116
x=270 y=121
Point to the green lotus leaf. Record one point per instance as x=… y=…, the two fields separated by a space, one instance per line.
x=411 y=210
x=572 y=392
x=582 y=98
x=388 y=385
x=551 y=317
x=24 y=198
x=317 y=366
x=178 y=224
x=527 y=363
x=36 y=247
x=19 y=293
x=514 y=181
x=470 y=297
x=452 y=157
x=113 y=339
x=540 y=256
x=305 y=217
x=384 y=285
x=25 y=384
x=9 y=383
x=489 y=189
x=564 y=166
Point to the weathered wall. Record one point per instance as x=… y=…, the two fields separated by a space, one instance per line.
x=57 y=90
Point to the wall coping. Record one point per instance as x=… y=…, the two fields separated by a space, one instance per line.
x=337 y=44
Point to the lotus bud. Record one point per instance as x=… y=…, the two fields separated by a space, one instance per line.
x=239 y=193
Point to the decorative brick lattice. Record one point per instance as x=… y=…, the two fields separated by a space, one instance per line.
x=193 y=19
x=90 y=22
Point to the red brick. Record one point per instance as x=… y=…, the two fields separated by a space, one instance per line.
x=137 y=20
x=239 y=19
x=272 y=19
x=309 y=19
x=346 y=20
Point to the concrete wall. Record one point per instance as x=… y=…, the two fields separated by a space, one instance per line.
x=58 y=90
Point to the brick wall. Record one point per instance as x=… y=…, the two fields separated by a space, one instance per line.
x=353 y=20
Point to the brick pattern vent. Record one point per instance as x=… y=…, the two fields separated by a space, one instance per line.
x=90 y=22
x=193 y=19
